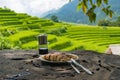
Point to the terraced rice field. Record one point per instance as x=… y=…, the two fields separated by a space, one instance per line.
x=20 y=31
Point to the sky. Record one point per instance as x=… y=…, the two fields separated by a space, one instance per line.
x=33 y=7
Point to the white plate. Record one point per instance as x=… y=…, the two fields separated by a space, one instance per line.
x=42 y=59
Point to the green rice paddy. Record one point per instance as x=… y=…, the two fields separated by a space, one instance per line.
x=20 y=31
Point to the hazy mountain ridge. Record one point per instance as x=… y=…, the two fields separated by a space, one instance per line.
x=69 y=13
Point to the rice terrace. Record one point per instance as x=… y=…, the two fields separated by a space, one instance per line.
x=20 y=31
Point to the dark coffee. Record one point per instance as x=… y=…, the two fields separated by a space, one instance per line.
x=43 y=50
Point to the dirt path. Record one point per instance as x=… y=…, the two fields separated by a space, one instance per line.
x=104 y=67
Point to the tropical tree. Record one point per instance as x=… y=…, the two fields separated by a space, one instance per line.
x=104 y=23
x=89 y=6
x=54 y=18
x=110 y=22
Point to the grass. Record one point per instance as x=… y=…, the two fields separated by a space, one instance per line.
x=21 y=30
x=22 y=34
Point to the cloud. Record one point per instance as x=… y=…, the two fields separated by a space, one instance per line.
x=33 y=7
x=13 y=4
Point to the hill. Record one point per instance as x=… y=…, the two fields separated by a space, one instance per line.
x=20 y=31
x=68 y=13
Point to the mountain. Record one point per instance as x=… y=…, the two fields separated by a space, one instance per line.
x=69 y=13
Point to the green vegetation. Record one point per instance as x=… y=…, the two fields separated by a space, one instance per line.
x=54 y=18
x=89 y=6
x=20 y=31
x=109 y=22
x=4 y=44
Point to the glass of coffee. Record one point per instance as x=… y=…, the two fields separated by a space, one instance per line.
x=43 y=44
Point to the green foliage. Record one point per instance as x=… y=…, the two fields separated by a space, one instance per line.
x=58 y=31
x=28 y=38
x=110 y=23
x=79 y=6
x=55 y=32
x=104 y=23
x=54 y=18
x=33 y=26
x=4 y=43
x=79 y=48
x=52 y=39
x=46 y=23
x=30 y=45
x=61 y=45
x=5 y=32
x=8 y=32
x=22 y=34
x=89 y=10
x=91 y=14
